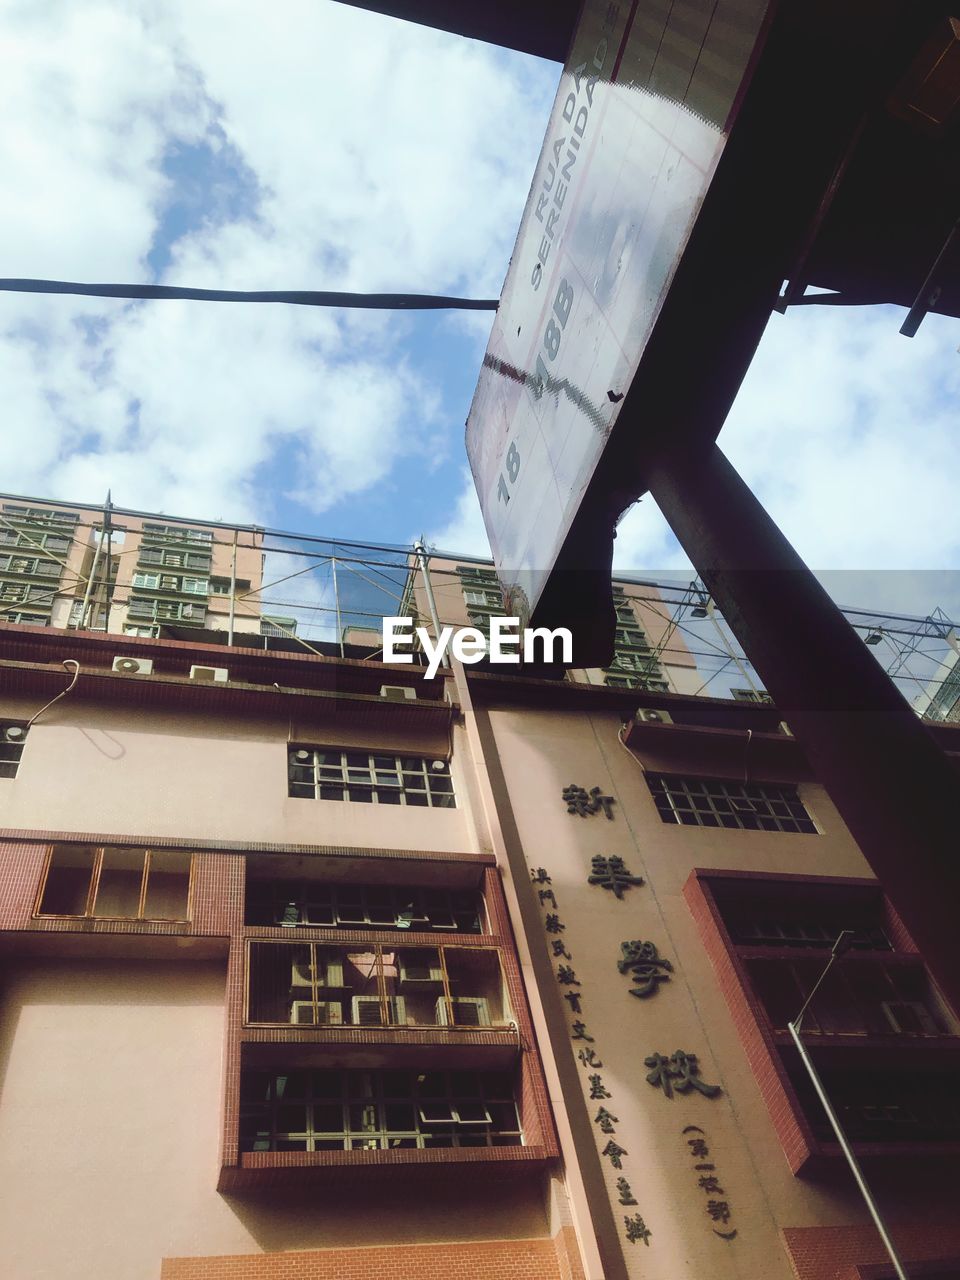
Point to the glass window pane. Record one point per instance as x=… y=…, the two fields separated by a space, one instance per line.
x=68 y=881
x=168 y=884
x=121 y=877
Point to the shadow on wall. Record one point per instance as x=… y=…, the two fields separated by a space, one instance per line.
x=395 y=1210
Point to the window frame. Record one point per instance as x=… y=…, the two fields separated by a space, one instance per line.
x=665 y=788
x=361 y=1093
x=93 y=888
x=378 y=778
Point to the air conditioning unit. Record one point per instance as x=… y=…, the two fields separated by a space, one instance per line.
x=398 y=692
x=14 y=732
x=328 y=975
x=909 y=1017
x=304 y=1013
x=468 y=1011
x=368 y=1011
x=418 y=973
x=133 y=666
x=210 y=674
x=653 y=715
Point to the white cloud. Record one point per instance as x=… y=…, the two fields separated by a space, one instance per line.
x=380 y=157
x=463 y=532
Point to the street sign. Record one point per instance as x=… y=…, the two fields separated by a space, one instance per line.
x=643 y=112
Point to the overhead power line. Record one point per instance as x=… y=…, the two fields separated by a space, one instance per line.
x=298 y=297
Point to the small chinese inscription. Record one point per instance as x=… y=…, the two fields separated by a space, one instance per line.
x=718 y=1211
x=626 y=1194
x=610 y=873
x=584 y=803
x=605 y=1120
x=615 y=1153
x=641 y=959
x=680 y=1071
x=636 y=1229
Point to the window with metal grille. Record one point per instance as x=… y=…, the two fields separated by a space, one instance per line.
x=357 y=906
x=325 y=773
x=749 y=806
x=13 y=734
x=375 y=985
x=377 y=1110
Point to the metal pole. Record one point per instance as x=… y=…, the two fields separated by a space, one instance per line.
x=892 y=784
x=847 y=1150
x=108 y=588
x=336 y=599
x=729 y=649
x=233 y=589
x=422 y=560
x=93 y=573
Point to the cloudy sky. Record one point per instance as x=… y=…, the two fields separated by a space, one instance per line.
x=310 y=145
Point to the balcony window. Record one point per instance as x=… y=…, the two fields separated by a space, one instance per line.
x=117 y=883
x=749 y=806
x=366 y=778
x=13 y=735
x=316 y=985
x=376 y=1111
x=292 y=903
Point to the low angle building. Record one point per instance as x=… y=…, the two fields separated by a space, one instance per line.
x=317 y=967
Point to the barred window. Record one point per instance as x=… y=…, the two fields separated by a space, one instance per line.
x=749 y=806
x=365 y=778
x=377 y=1110
x=13 y=734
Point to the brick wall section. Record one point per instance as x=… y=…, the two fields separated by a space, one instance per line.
x=839 y=1253
x=21 y=866
x=568 y=1254
x=486 y=1260
x=792 y=1129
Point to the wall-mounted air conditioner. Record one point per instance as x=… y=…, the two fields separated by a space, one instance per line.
x=398 y=692
x=368 y=1011
x=304 y=1013
x=653 y=715
x=329 y=973
x=468 y=1011
x=133 y=666
x=210 y=674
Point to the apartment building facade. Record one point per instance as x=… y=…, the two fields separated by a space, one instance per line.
x=110 y=569
x=306 y=978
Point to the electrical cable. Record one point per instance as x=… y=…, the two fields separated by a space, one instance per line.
x=66 y=662
x=296 y=297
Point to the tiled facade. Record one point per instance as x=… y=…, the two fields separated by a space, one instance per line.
x=152 y=1125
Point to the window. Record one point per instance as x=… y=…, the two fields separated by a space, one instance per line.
x=365 y=778
x=352 y=906
x=15 y=592
x=129 y=630
x=751 y=695
x=615 y=681
x=175 y=533
x=30 y=565
x=278 y=626
x=28 y=515
x=13 y=734
x=167 y=559
x=377 y=1110
x=26 y=619
x=116 y=883
x=375 y=985
x=165 y=611
x=749 y=806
